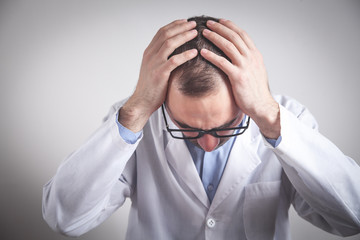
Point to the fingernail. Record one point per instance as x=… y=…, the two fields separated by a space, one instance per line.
x=192 y=53
x=204 y=50
x=192 y=23
x=210 y=22
x=206 y=31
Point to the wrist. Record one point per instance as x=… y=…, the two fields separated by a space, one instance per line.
x=268 y=120
x=133 y=116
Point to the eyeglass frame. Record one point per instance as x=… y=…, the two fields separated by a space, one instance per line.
x=202 y=132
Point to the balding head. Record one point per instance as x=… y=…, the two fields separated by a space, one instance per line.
x=198 y=77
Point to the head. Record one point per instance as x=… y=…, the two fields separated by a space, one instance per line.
x=199 y=94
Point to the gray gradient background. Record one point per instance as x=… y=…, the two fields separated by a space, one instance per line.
x=63 y=63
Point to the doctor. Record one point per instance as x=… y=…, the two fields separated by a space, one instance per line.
x=204 y=151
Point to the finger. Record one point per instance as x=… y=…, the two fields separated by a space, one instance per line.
x=158 y=33
x=244 y=36
x=219 y=61
x=225 y=45
x=171 y=44
x=230 y=35
x=179 y=59
x=171 y=31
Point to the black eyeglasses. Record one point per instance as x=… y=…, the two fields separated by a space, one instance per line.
x=198 y=133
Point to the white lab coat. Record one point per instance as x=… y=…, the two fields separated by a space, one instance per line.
x=168 y=199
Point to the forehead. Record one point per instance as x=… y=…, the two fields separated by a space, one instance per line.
x=205 y=112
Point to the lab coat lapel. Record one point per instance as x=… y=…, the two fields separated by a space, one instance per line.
x=180 y=159
x=242 y=161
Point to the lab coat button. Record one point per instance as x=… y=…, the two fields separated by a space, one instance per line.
x=210 y=223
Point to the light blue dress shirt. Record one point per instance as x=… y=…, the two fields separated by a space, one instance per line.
x=209 y=165
x=126 y=134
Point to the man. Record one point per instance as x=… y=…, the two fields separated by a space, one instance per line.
x=204 y=151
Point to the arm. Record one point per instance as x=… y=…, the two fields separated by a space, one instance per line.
x=324 y=179
x=87 y=187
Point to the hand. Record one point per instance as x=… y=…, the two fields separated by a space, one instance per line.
x=246 y=72
x=155 y=71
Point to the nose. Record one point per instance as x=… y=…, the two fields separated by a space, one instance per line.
x=208 y=142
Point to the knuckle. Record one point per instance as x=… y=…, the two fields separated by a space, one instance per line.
x=228 y=46
x=145 y=57
x=146 y=53
x=234 y=37
x=166 y=34
x=178 y=21
x=222 y=62
x=241 y=33
x=161 y=30
x=173 y=61
x=168 y=43
x=174 y=22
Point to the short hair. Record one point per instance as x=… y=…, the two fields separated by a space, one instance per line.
x=198 y=77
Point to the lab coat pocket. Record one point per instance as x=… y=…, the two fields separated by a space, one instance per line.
x=260 y=208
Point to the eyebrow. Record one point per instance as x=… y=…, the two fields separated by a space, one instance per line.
x=225 y=125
